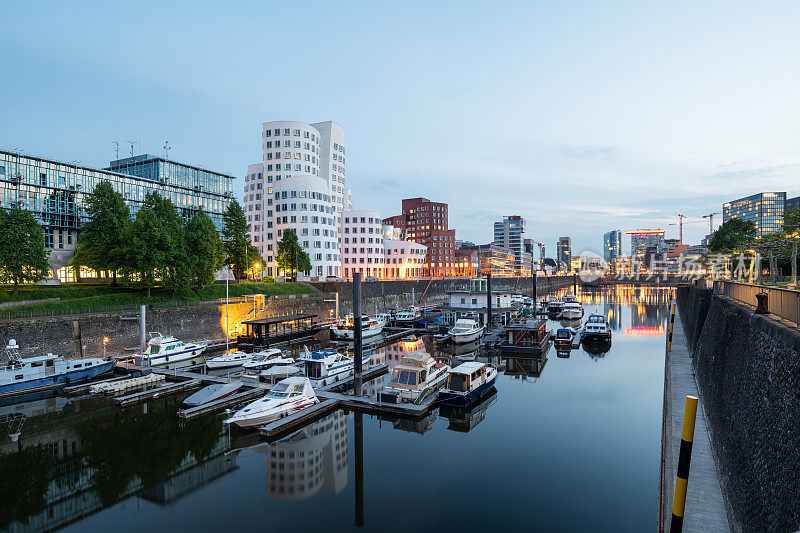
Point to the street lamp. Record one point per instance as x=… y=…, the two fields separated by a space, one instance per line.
x=105 y=341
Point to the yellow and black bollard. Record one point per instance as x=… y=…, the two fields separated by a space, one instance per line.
x=684 y=459
x=671 y=325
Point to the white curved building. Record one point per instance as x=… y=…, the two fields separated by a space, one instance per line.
x=362 y=244
x=299 y=184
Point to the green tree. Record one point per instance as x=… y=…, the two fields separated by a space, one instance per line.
x=240 y=255
x=148 y=245
x=291 y=257
x=774 y=246
x=173 y=272
x=204 y=252
x=101 y=242
x=791 y=228
x=732 y=236
x=22 y=254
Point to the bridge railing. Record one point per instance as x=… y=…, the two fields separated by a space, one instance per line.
x=784 y=303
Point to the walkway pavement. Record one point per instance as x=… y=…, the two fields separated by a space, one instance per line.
x=705 y=507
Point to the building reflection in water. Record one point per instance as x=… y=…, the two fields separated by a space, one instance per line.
x=309 y=460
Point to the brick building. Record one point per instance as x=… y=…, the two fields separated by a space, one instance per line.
x=425 y=222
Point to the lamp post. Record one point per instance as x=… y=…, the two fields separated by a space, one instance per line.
x=105 y=341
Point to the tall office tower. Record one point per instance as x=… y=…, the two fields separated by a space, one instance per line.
x=508 y=234
x=564 y=251
x=612 y=245
x=299 y=185
x=425 y=222
x=765 y=210
x=642 y=239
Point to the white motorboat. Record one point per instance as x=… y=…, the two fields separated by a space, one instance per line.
x=409 y=315
x=213 y=392
x=596 y=329
x=46 y=371
x=162 y=350
x=267 y=359
x=228 y=360
x=286 y=397
x=466 y=382
x=572 y=311
x=370 y=326
x=417 y=375
x=554 y=305
x=324 y=367
x=465 y=330
x=569 y=298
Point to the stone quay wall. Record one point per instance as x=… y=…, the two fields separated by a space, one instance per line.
x=748 y=371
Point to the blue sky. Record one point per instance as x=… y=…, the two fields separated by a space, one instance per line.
x=581 y=117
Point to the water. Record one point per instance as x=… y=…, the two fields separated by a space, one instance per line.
x=575 y=448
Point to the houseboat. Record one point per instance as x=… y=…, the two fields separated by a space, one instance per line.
x=466 y=382
x=286 y=397
x=29 y=374
x=264 y=332
x=465 y=330
x=525 y=338
x=472 y=302
x=324 y=367
x=162 y=350
x=370 y=326
x=416 y=377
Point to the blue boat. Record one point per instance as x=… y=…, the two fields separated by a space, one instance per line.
x=30 y=374
x=467 y=382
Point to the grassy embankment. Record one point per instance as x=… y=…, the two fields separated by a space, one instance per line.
x=73 y=295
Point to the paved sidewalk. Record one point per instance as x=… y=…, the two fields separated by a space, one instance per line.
x=705 y=507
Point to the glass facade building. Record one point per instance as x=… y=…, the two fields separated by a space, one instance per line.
x=612 y=245
x=57 y=192
x=564 y=251
x=642 y=239
x=765 y=210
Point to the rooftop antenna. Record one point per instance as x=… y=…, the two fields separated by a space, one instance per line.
x=167 y=148
x=116 y=148
x=132 y=143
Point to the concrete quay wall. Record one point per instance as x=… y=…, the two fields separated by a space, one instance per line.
x=747 y=367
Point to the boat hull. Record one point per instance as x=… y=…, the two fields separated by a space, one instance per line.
x=349 y=334
x=215 y=365
x=596 y=337
x=392 y=395
x=165 y=359
x=48 y=382
x=275 y=414
x=572 y=314
x=452 y=398
x=465 y=338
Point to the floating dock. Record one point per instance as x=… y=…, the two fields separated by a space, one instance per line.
x=152 y=394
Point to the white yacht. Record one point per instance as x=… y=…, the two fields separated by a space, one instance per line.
x=554 y=305
x=286 y=397
x=228 y=360
x=324 y=367
x=596 y=329
x=212 y=393
x=465 y=330
x=162 y=350
x=46 y=371
x=408 y=316
x=370 y=326
x=569 y=298
x=267 y=359
x=466 y=382
x=572 y=311
x=417 y=375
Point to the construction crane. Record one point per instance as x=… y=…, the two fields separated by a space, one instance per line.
x=681 y=216
x=710 y=218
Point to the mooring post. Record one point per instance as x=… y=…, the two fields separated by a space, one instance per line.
x=684 y=460
x=535 y=289
x=489 y=300
x=143 y=327
x=357 y=333
x=574 y=283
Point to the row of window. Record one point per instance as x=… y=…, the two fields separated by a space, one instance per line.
x=287 y=131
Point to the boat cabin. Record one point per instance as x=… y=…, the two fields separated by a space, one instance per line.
x=412 y=372
x=466 y=376
x=265 y=331
x=528 y=336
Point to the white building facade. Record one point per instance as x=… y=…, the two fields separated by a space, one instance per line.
x=403 y=259
x=362 y=244
x=299 y=185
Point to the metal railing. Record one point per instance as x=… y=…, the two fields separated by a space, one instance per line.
x=784 y=303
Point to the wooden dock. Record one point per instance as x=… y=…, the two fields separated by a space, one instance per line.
x=152 y=394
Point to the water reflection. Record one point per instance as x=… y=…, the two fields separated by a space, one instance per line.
x=464 y=419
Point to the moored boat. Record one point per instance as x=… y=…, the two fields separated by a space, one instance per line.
x=467 y=382
x=324 y=367
x=213 y=392
x=228 y=360
x=162 y=350
x=572 y=311
x=416 y=377
x=595 y=329
x=465 y=330
x=370 y=326
x=267 y=359
x=46 y=371
x=564 y=338
x=286 y=397
x=408 y=316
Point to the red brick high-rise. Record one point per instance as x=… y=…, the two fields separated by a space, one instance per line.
x=425 y=222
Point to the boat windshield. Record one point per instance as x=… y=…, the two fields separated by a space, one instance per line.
x=563 y=334
x=457 y=382
x=404 y=377
x=280 y=390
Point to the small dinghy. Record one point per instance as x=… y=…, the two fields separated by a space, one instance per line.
x=212 y=392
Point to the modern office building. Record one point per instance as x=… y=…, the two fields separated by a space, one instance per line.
x=57 y=194
x=300 y=185
x=362 y=244
x=642 y=239
x=765 y=210
x=564 y=251
x=508 y=234
x=791 y=203
x=467 y=263
x=612 y=246
x=493 y=258
x=425 y=222
x=403 y=259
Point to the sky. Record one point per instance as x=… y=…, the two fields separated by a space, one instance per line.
x=582 y=117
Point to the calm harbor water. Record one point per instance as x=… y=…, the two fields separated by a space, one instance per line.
x=570 y=443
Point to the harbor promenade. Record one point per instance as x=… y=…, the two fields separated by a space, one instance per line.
x=705 y=506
